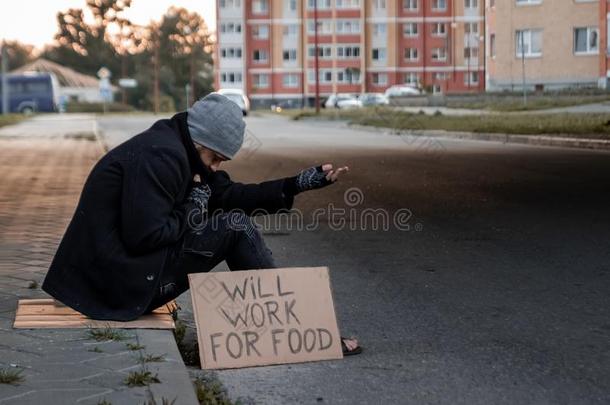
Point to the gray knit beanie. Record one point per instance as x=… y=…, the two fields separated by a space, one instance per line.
x=217 y=123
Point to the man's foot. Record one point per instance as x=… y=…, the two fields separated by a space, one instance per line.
x=350 y=346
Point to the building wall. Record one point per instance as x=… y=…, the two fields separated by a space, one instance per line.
x=558 y=65
x=380 y=28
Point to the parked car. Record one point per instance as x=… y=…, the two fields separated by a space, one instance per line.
x=238 y=97
x=31 y=92
x=400 y=90
x=348 y=103
x=374 y=99
x=334 y=99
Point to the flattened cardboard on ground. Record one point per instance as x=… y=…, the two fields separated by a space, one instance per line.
x=261 y=317
x=47 y=313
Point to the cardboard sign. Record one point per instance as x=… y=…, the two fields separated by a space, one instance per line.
x=258 y=317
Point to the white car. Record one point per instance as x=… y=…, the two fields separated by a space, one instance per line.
x=374 y=99
x=348 y=103
x=334 y=100
x=402 y=91
x=238 y=97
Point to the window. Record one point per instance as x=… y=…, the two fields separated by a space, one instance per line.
x=291 y=31
x=525 y=2
x=348 y=76
x=324 y=76
x=411 y=54
x=586 y=40
x=380 y=79
x=349 y=51
x=292 y=5
x=412 y=79
x=410 y=29
x=439 y=76
x=379 y=29
x=471 y=79
x=322 y=4
x=260 y=55
x=528 y=43
x=260 y=31
x=289 y=55
x=348 y=26
x=230 y=3
x=471 y=28
x=260 y=81
x=230 y=52
x=347 y=3
x=470 y=52
x=439 y=29
x=260 y=6
x=379 y=4
x=378 y=54
x=410 y=5
x=324 y=51
x=230 y=77
x=439 y=54
x=230 y=28
x=325 y=27
x=471 y=4
x=439 y=5
x=290 y=80
x=492 y=45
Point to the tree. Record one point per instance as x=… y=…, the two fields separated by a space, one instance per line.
x=87 y=47
x=18 y=54
x=185 y=48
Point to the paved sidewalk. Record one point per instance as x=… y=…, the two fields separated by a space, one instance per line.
x=42 y=176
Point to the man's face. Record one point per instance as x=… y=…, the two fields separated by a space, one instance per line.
x=210 y=159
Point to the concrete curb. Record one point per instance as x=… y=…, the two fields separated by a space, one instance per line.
x=175 y=380
x=536 y=140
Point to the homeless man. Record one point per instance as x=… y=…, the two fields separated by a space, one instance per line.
x=133 y=238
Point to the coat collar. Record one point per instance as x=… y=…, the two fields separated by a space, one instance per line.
x=197 y=166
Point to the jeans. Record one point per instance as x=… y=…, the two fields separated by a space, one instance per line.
x=228 y=236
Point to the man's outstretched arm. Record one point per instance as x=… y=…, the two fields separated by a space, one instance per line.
x=270 y=196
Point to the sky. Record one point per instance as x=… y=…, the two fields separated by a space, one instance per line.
x=34 y=21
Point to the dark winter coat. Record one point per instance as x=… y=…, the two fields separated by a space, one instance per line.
x=132 y=215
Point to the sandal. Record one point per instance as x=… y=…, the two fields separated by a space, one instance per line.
x=346 y=351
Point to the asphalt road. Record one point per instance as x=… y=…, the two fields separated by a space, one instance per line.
x=498 y=292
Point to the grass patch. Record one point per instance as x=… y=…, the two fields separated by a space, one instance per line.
x=82 y=136
x=104 y=402
x=11 y=119
x=141 y=378
x=135 y=346
x=11 y=376
x=573 y=125
x=534 y=102
x=152 y=358
x=32 y=285
x=210 y=391
x=106 y=333
x=96 y=350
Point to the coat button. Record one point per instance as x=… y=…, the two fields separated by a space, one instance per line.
x=150 y=277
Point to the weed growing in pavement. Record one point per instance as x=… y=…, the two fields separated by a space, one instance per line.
x=151 y=358
x=11 y=376
x=135 y=346
x=106 y=333
x=141 y=378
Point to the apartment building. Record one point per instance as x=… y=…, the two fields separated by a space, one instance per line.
x=267 y=48
x=546 y=44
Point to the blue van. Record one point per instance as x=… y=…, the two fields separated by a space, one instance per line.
x=31 y=92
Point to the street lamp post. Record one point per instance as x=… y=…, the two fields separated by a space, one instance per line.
x=5 y=102
x=523 y=68
x=316 y=63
